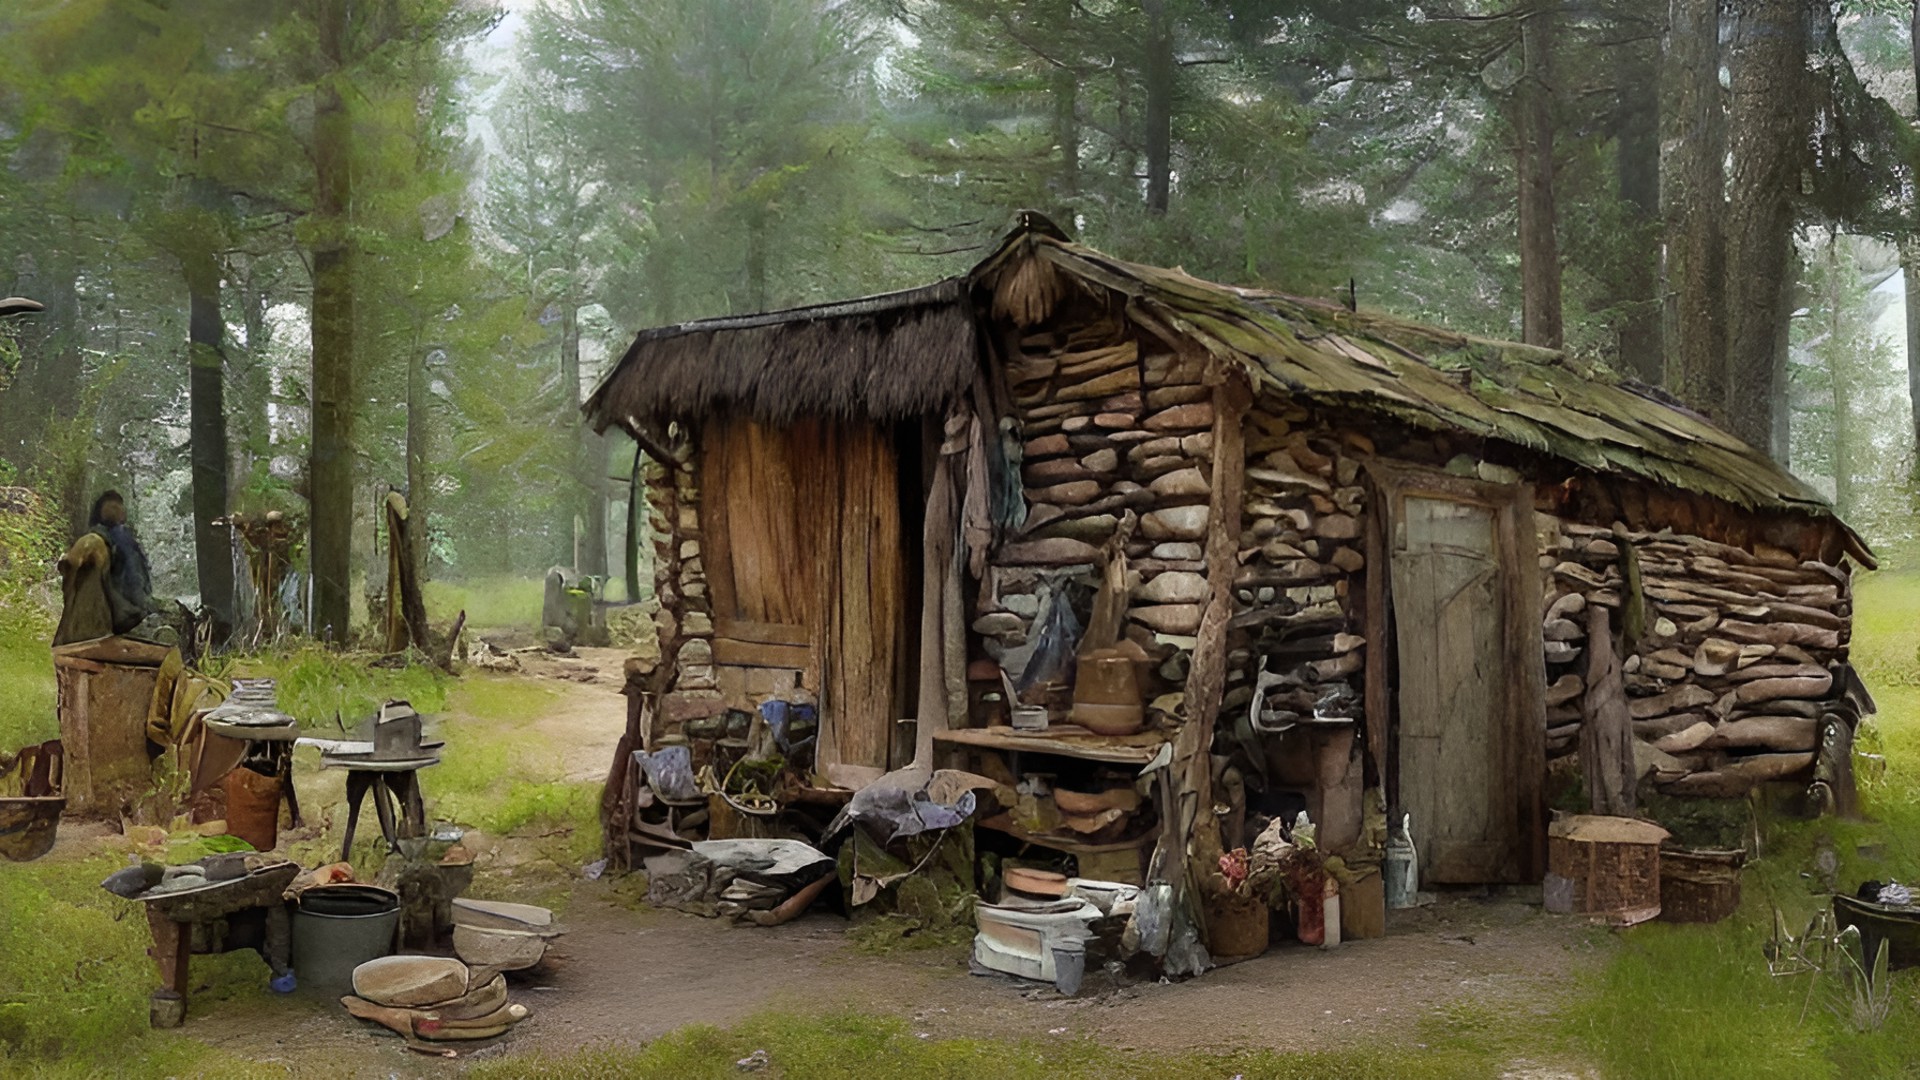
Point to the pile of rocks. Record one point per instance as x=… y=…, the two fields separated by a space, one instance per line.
x=1733 y=675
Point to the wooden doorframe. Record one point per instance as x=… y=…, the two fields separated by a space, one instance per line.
x=1523 y=651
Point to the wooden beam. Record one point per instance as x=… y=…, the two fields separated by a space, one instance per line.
x=761 y=654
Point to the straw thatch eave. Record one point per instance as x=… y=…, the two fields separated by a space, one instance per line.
x=882 y=358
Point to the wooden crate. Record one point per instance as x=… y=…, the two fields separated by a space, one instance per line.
x=1605 y=867
x=105 y=691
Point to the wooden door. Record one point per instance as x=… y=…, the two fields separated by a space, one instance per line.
x=807 y=569
x=1470 y=738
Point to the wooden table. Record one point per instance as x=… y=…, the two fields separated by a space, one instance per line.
x=251 y=911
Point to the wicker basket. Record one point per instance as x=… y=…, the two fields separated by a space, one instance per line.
x=1697 y=885
x=1605 y=867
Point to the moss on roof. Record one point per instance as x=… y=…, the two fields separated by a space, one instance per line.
x=1540 y=399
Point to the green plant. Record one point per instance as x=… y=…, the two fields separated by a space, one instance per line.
x=1862 y=996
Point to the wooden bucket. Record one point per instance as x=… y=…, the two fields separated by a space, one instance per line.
x=1699 y=885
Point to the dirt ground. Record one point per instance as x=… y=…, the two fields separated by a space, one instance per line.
x=627 y=974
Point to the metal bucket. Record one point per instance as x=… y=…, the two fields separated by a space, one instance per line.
x=336 y=929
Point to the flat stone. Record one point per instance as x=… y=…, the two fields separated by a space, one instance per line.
x=1174 y=588
x=1102 y=461
x=1175 y=523
x=1076 y=423
x=1155 y=466
x=1168 y=618
x=1093 y=528
x=1337 y=527
x=1348 y=559
x=1181 y=418
x=1198 y=445
x=1046 y=446
x=410 y=981
x=690 y=549
x=1056 y=551
x=695 y=651
x=695 y=677
x=1058 y=470
x=1113 y=421
x=1025 y=605
x=1160 y=446
x=1178 y=550
x=997 y=623
x=1180 y=482
x=698 y=622
x=1072 y=493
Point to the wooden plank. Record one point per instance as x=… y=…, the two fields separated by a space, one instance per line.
x=760 y=654
x=1378 y=694
x=1003 y=823
x=763 y=633
x=116 y=650
x=1092 y=748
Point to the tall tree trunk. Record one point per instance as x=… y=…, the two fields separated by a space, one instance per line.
x=1159 y=115
x=596 y=451
x=1540 y=312
x=1840 y=374
x=249 y=416
x=1909 y=266
x=1768 y=116
x=1638 y=338
x=1693 y=196
x=419 y=478
x=568 y=513
x=331 y=469
x=1066 y=139
x=207 y=430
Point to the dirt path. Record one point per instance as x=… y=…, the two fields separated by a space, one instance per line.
x=629 y=975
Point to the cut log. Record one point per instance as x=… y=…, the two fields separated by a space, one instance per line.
x=1786 y=734
x=1678 y=699
x=1812 y=637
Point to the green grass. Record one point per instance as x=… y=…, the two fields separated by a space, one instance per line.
x=74 y=979
x=490 y=603
x=495 y=775
x=315 y=684
x=854 y=1046
x=26 y=687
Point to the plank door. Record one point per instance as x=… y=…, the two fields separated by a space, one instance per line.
x=808 y=569
x=1471 y=750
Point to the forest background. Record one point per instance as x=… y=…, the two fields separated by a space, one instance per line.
x=299 y=253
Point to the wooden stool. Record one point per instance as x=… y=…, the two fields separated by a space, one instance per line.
x=402 y=818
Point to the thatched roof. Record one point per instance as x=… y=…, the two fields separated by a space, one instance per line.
x=885 y=358
x=1546 y=401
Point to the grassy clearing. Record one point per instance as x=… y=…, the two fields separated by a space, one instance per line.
x=490 y=603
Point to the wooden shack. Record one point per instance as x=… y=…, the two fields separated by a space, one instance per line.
x=1367 y=564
